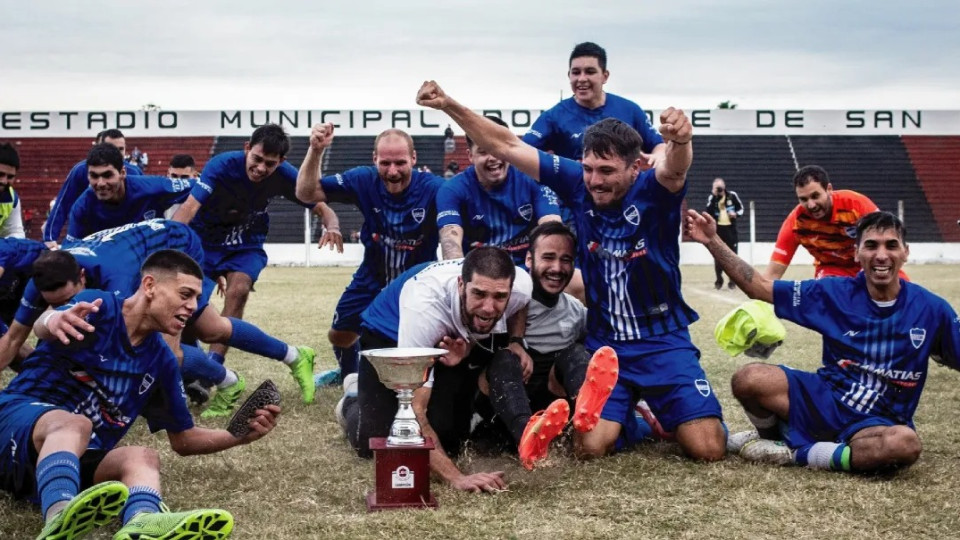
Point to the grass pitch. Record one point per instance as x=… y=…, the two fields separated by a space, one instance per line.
x=303 y=481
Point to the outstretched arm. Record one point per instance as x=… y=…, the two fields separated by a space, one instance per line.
x=308 y=178
x=496 y=139
x=702 y=228
x=198 y=440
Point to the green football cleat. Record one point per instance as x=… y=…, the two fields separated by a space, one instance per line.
x=91 y=508
x=195 y=525
x=302 y=371
x=225 y=399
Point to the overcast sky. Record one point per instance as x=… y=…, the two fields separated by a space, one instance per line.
x=373 y=54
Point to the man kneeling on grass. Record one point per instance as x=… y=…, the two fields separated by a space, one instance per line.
x=856 y=412
x=102 y=363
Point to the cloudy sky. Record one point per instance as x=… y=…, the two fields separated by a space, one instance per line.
x=202 y=54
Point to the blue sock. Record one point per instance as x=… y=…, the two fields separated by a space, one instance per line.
x=141 y=499
x=348 y=358
x=251 y=339
x=216 y=357
x=196 y=365
x=58 y=479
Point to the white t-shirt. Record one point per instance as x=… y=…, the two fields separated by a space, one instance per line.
x=551 y=329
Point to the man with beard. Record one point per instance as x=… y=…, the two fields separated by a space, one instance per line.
x=399 y=230
x=115 y=198
x=879 y=331
x=227 y=207
x=628 y=225
x=467 y=306
x=824 y=223
x=491 y=203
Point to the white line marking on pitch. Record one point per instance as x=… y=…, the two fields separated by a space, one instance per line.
x=717 y=296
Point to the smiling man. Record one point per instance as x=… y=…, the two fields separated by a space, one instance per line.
x=628 y=225
x=469 y=306
x=824 y=223
x=856 y=412
x=560 y=129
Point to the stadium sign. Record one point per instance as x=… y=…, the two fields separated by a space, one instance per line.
x=21 y=124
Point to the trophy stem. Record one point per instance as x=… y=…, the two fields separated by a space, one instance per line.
x=405 y=430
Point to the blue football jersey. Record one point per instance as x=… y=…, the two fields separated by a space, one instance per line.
x=106 y=378
x=874 y=357
x=234 y=211
x=383 y=314
x=398 y=231
x=629 y=255
x=146 y=197
x=111 y=259
x=502 y=216
x=16 y=259
x=560 y=128
x=72 y=187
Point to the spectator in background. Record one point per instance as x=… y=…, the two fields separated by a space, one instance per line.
x=74 y=185
x=449 y=144
x=725 y=207
x=452 y=169
x=182 y=167
x=11 y=220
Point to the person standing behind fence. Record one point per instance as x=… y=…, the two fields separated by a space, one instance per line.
x=725 y=207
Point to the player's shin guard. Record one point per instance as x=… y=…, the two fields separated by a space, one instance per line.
x=251 y=339
x=348 y=358
x=507 y=394
x=197 y=365
x=571 y=368
x=58 y=479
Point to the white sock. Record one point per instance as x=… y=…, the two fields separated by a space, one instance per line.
x=54 y=508
x=820 y=455
x=762 y=422
x=228 y=380
x=291 y=356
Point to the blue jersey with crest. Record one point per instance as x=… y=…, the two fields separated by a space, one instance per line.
x=111 y=259
x=72 y=187
x=502 y=216
x=398 y=231
x=146 y=197
x=629 y=255
x=234 y=211
x=561 y=127
x=106 y=378
x=874 y=357
x=16 y=259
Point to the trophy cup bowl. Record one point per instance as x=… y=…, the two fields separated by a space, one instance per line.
x=403 y=369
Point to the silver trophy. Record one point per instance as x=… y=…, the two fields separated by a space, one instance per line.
x=403 y=369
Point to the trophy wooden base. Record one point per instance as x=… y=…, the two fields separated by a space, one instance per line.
x=402 y=476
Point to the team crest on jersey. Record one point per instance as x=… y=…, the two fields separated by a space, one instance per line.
x=150 y=215
x=632 y=215
x=526 y=211
x=146 y=383
x=917 y=336
x=418 y=214
x=851 y=231
x=703 y=386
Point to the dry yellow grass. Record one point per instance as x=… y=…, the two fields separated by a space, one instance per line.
x=304 y=482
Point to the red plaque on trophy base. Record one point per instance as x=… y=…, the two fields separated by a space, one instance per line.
x=402 y=475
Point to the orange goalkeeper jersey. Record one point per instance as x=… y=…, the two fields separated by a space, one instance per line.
x=832 y=241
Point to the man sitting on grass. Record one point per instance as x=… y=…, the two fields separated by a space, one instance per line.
x=102 y=363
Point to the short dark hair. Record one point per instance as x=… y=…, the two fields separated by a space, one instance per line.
x=551 y=228
x=109 y=134
x=105 y=154
x=273 y=138
x=612 y=138
x=811 y=173
x=881 y=221
x=172 y=261
x=496 y=120
x=182 y=160
x=488 y=261
x=54 y=269
x=588 y=48
x=9 y=156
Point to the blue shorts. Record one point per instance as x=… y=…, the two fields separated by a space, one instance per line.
x=665 y=371
x=356 y=298
x=816 y=415
x=18 y=457
x=220 y=260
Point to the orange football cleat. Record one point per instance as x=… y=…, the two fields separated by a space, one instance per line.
x=597 y=386
x=542 y=428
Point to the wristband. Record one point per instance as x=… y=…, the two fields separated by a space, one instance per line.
x=676 y=142
x=45 y=318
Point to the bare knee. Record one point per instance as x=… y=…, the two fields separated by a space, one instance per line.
x=902 y=445
x=342 y=338
x=749 y=381
x=598 y=442
x=702 y=439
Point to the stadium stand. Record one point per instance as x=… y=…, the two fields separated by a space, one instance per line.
x=936 y=161
x=161 y=149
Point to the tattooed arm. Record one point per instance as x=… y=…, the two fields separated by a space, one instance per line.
x=451 y=242
x=702 y=228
